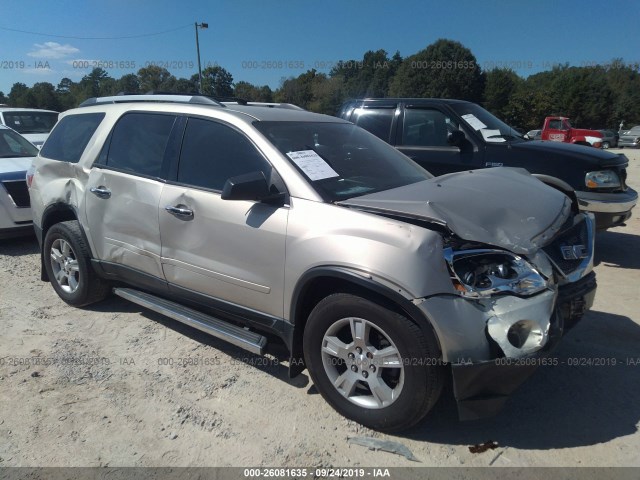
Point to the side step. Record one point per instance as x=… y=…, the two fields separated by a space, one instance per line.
x=251 y=341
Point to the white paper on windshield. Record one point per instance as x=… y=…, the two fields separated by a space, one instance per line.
x=312 y=165
x=472 y=120
x=492 y=135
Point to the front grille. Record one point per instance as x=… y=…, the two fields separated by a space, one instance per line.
x=18 y=191
x=577 y=234
x=623 y=178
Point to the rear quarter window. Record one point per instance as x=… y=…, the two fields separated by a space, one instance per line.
x=70 y=137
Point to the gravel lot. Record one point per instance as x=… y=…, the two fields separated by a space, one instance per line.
x=151 y=392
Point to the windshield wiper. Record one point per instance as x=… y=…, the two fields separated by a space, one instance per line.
x=506 y=136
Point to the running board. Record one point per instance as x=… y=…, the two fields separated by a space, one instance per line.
x=251 y=341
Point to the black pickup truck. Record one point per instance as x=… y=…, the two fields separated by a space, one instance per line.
x=447 y=136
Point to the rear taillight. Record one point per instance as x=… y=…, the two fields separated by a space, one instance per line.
x=29 y=177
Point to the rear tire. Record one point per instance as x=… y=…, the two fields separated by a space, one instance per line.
x=371 y=364
x=605 y=145
x=67 y=260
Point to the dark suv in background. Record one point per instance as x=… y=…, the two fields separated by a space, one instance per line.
x=447 y=136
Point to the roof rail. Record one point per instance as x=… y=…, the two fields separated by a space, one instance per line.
x=152 y=97
x=289 y=106
x=231 y=100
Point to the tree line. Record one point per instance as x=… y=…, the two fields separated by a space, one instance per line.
x=598 y=96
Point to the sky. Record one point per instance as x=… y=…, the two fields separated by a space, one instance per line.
x=263 y=42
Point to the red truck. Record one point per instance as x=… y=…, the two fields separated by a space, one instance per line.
x=559 y=129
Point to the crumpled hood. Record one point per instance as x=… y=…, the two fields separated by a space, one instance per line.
x=504 y=207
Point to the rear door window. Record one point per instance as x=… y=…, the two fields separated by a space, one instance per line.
x=376 y=120
x=138 y=143
x=70 y=137
x=26 y=122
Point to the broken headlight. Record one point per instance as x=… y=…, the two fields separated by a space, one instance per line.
x=481 y=273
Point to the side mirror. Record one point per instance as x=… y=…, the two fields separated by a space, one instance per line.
x=251 y=186
x=456 y=138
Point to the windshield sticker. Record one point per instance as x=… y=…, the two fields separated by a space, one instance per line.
x=472 y=120
x=492 y=135
x=312 y=165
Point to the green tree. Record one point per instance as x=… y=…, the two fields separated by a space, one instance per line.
x=369 y=77
x=216 y=82
x=45 y=96
x=17 y=95
x=527 y=108
x=252 y=93
x=3 y=99
x=90 y=85
x=64 y=92
x=583 y=94
x=444 y=69
x=501 y=85
x=624 y=81
x=155 y=78
x=183 y=85
x=299 y=90
x=129 y=83
x=327 y=95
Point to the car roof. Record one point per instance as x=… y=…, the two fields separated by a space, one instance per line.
x=18 y=109
x=246 y=113
x=268 y=114
x=409 y=99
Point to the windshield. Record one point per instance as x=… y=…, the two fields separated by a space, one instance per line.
x=491 y=128
x=13 y=145
x=30 y=122
x=341 y=160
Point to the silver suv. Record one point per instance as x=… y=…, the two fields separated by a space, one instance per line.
x=260 y=225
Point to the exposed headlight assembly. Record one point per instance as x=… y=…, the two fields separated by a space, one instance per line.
x=602 y=179
x=482 y=273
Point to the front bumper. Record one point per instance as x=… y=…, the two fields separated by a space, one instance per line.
x=609 y=209
x=482 y=388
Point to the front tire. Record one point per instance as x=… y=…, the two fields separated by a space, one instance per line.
x=605 y=145
x=68 y=264
x=371 y=364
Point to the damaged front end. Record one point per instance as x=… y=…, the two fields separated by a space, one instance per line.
x=509 y=312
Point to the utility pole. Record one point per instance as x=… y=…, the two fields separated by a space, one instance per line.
x=200 y=25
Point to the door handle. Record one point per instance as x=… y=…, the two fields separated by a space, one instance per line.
x=101 y=192
x=180 y=211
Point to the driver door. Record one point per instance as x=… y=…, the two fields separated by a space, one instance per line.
x=231 y=251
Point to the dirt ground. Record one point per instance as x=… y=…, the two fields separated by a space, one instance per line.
x=116 y=385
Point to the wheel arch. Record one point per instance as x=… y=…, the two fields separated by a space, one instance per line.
x=319 y=282
x=56 y=213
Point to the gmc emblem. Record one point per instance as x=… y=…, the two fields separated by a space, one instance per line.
x=573 y=252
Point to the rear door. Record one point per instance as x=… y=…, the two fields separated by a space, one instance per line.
x=230 y=251
x=123 y=194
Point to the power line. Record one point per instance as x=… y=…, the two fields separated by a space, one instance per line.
x=97 y=38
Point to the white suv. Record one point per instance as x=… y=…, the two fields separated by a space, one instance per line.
x=260 y=225
x=32 y=123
